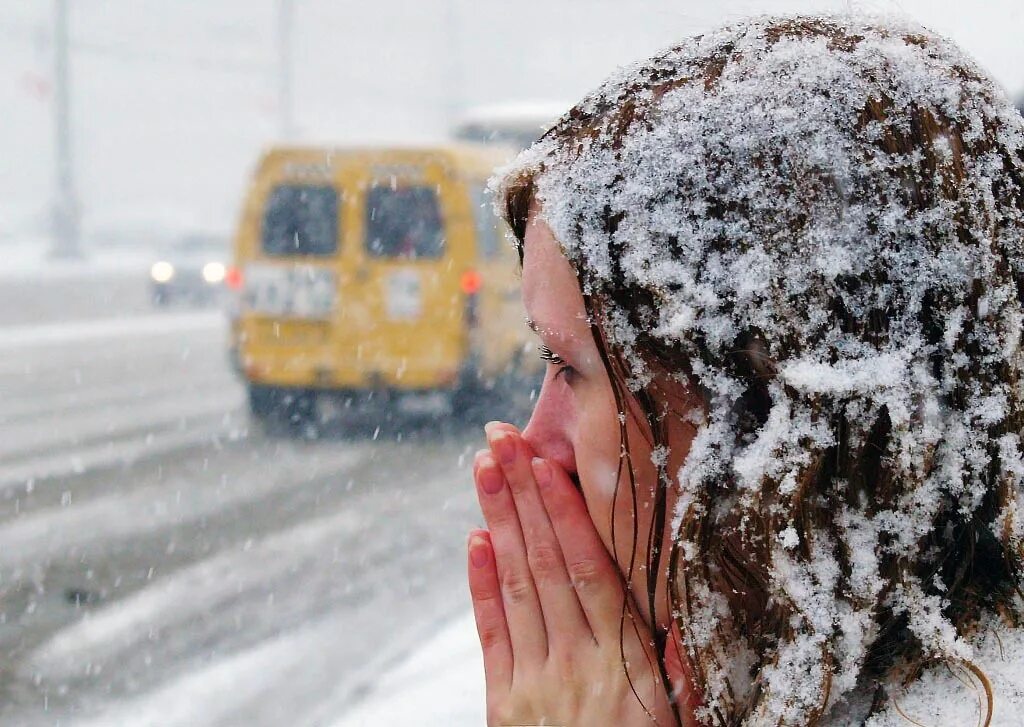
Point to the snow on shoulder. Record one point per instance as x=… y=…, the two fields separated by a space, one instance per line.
x=820 y=222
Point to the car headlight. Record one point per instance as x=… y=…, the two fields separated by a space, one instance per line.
x=214 y=272
x=162 y=271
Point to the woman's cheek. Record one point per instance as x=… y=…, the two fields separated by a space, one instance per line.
x=597 y=458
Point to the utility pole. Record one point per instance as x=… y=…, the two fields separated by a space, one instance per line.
x=285 y=62
x=65 y=241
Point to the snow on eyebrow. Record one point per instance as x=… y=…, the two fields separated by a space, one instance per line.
x=553 y=332
x=786 y=195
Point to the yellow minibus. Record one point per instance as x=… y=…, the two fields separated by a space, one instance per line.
x=373 y=275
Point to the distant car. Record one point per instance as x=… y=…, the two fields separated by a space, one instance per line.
x=516 y=124
x=192 y=270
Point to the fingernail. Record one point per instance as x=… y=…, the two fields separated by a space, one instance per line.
x=477 y=551
x=491 y=480
x=541 y=471
x=504 y=447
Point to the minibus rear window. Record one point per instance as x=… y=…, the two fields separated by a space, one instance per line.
x=301 y=220
x=404 y=222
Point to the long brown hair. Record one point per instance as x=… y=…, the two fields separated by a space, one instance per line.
x=852 y=508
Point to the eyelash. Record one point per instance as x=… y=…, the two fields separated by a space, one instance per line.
x=546 y=354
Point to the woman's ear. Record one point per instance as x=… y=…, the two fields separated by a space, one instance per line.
x=681 y=397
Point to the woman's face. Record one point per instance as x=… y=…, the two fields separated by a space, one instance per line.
x=575 y=419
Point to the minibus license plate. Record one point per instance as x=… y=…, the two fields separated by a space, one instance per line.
x=296 y=291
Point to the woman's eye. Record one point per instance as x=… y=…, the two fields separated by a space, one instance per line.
x=567 y=372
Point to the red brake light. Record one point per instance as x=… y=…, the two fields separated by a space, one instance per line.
x=233 y=278
x=470 y=282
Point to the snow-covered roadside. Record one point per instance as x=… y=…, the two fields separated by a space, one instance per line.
x=31 y=259
x=158 y=324
x=439 y=685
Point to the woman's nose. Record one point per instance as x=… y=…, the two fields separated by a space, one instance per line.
x=549 y=430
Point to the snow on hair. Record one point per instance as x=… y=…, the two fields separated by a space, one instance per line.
x=844 y=197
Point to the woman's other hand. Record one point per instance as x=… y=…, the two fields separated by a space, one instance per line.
x=548 y=601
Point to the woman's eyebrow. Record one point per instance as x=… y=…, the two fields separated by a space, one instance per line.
x=543 y=331
x=566 y=342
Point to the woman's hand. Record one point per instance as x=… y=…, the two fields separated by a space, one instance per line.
x=548 y=601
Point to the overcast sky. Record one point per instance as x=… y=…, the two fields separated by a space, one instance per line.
x=173 y=101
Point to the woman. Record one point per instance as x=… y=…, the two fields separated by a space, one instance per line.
x=774 y=472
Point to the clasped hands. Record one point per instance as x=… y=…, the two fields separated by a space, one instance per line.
x=549 y=602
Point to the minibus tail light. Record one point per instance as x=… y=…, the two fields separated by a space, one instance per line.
x=233 y=278
x=470 y=282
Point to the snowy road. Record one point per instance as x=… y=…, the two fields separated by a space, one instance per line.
x=161 y=563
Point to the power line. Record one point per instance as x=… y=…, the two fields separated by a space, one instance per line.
x=126 y=52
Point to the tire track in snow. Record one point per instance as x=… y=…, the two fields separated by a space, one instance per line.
x=335 y=564
x=59 y=432
x=122 y=515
